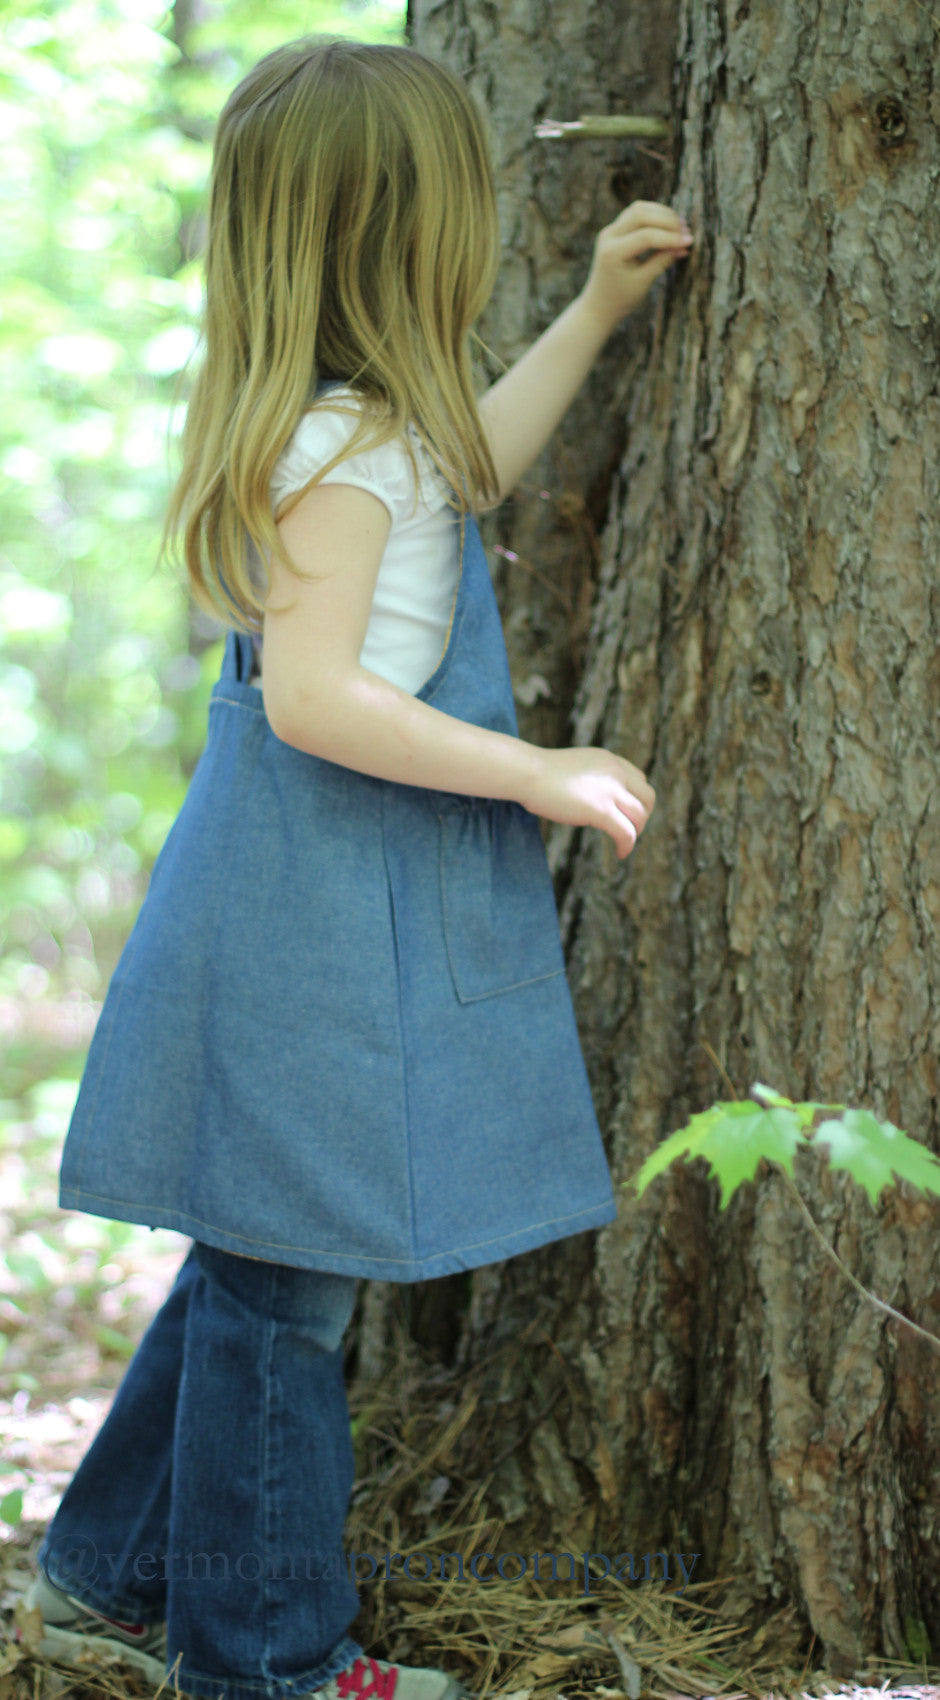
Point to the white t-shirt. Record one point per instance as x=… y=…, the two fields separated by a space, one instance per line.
x=417 y=580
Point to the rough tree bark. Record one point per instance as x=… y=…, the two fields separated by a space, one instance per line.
x=757 y=629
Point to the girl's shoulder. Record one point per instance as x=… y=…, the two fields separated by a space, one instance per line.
x=386 y=470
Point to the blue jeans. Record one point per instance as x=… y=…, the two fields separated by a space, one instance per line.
x=215 y=1494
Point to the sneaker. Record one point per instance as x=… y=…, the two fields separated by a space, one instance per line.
x=75 y=1633
x=373 y=1679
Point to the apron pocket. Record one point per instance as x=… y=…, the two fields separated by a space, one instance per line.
x=497 y=901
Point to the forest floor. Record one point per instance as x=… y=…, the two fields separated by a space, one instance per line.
x=76 y=1294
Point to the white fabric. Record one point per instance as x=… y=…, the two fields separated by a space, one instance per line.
x=417 y=579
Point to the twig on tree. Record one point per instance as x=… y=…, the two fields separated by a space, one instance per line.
x=599 y=126
x=881 y=1304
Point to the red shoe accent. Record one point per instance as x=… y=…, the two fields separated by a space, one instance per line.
x=137 y=1631
x=133 y=1631
x=359 y=1681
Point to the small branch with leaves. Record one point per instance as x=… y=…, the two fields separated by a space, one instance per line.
x=734 y=1137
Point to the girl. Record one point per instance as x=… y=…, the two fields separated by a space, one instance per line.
x=339 y=1042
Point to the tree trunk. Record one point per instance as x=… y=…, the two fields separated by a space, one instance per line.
x=757 y=453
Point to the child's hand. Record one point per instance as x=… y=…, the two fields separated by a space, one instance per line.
x=591 y=787
x=619 y=276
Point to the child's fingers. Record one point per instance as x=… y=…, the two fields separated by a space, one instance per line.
x=647 y=213
x=637 y=242
x=627 y=814
x=638 y=279
x=645 y=276
x=623 y=832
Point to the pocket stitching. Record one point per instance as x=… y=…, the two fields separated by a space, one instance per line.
x=495 y=991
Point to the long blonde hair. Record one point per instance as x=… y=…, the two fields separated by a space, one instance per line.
x=352 y=234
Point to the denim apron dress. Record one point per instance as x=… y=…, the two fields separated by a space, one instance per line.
x=340 y=1035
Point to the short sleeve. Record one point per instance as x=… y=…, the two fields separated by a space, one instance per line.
x=385 y=471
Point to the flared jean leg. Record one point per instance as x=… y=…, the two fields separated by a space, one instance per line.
x=259 y=1599
x=216 y=1491
x=117 y=1505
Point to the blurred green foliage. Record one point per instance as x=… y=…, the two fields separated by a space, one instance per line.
x=107 y=109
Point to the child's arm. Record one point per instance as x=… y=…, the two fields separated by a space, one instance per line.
x=318 y=697
x=522 y=409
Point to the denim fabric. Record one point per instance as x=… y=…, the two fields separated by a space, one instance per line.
x=340 y=1035
x=216 y=1491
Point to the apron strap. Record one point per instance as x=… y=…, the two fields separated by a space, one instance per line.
x=238 y=657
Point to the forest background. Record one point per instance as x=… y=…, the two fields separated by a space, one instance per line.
x=107 y=112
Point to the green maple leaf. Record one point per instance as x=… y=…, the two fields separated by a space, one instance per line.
x=874 y=1152
x=733 y=1138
